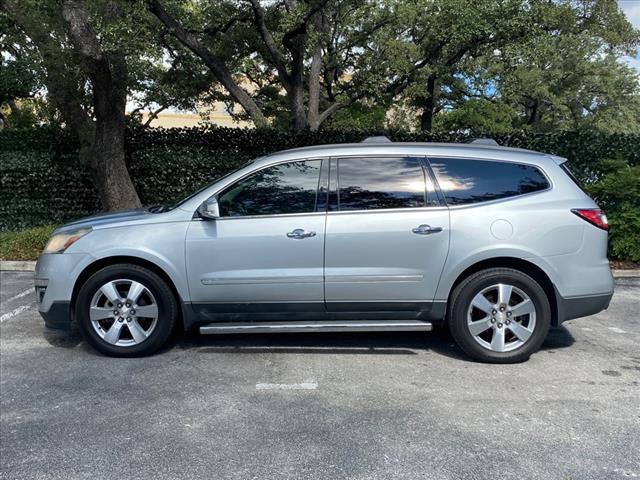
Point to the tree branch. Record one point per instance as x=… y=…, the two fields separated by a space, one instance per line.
x=267 y=38
x=153 y=115
x=333 y=108
x=214 y=63
x=301 y=28
x=84 y=37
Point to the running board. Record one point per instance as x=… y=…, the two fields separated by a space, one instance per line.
x=319 y=326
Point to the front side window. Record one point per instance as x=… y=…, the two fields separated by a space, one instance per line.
x=280 y=189
x=464 y=181
x=373 y=183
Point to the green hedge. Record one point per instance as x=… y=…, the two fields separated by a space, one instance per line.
x=41 y=181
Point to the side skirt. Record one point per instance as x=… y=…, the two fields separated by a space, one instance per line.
x=282 y=313
x=318 y=326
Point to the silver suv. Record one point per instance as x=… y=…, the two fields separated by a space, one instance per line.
x=497 y=243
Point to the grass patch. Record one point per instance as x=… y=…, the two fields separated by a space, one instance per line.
x=24 y=245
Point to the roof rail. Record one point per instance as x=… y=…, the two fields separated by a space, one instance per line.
x=483 y=141
x=377 y=139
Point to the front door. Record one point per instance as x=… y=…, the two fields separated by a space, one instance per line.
x=265 y=252
x=387 y=235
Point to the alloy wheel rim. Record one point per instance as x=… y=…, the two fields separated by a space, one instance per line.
x=123 y=312
x=501 y=318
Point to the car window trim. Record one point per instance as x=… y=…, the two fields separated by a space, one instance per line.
x=283 y=162
x=332 y=204
x=391 y=210
x=429 y=173
x=334 y=174
x=323 y=182
x=428 y=159
x=275 y=215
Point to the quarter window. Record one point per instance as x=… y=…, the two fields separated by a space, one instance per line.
x=464 y=181
x=280 y=189
x=372 y=183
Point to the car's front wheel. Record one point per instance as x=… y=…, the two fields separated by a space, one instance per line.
x=126 y=310
x=499 y=315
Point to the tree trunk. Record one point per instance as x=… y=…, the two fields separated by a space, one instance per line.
x=108 y=74
x=533 y=115
x=295 y=87
x=314 y=88
x=107 y=160
x=101 y=140
x=426 y=120
x=298 y=112
x=315 y=70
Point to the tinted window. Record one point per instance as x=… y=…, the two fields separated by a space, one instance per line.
x=376 y=183
x=285 y=188
x=573 y=178
x=472 y=181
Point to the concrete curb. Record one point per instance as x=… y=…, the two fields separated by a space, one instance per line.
x=626 y=273
x=27 y=266
x=17 y=265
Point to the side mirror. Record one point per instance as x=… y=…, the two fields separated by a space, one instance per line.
x=209 y=209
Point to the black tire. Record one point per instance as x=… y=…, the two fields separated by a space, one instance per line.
x=167 y=308
x=460 y=303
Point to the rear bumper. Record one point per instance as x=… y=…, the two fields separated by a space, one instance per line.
x=58 y=316
x=576 y=307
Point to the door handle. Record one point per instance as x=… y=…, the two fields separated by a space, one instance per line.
x=300 y=233
x=426 y=230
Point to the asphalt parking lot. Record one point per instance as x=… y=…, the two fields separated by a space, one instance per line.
x=319 y=406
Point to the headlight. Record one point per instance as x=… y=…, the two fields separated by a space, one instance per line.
x=59 y=242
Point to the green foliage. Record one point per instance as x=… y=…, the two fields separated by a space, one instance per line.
x=359 y=117
x=618 y=193
x=24 y=245
x=41 y=181
x=536 y=65
x=476 y=115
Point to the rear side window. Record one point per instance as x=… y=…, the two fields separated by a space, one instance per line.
x=285 y=188
x=374 y=183
x=465 y=181
x=573 y=178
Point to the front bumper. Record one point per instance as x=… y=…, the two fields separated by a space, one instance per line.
x=576 y=307
x=58 y=316
x=55 y=277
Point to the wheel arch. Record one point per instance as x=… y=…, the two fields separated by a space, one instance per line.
x=113 y=260
x=529 y=268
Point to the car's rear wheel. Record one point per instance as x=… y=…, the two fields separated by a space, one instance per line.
x=499 y=315
x=126 y=310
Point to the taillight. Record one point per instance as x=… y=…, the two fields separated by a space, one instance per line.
x=594 y=216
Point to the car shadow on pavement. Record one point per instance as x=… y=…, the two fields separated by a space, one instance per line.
x=439 y=341
x=358 y=343
x=62 y=338
x=558 y=337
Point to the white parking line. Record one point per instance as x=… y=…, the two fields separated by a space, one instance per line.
x=20 y=295
x=14 y=312
x=616 y=330
x=287 y=386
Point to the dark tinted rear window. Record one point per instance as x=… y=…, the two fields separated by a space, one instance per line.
x=570 y=174
x=465 y=181
x=371 y=183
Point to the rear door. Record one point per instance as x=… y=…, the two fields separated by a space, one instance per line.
x=387 y=235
